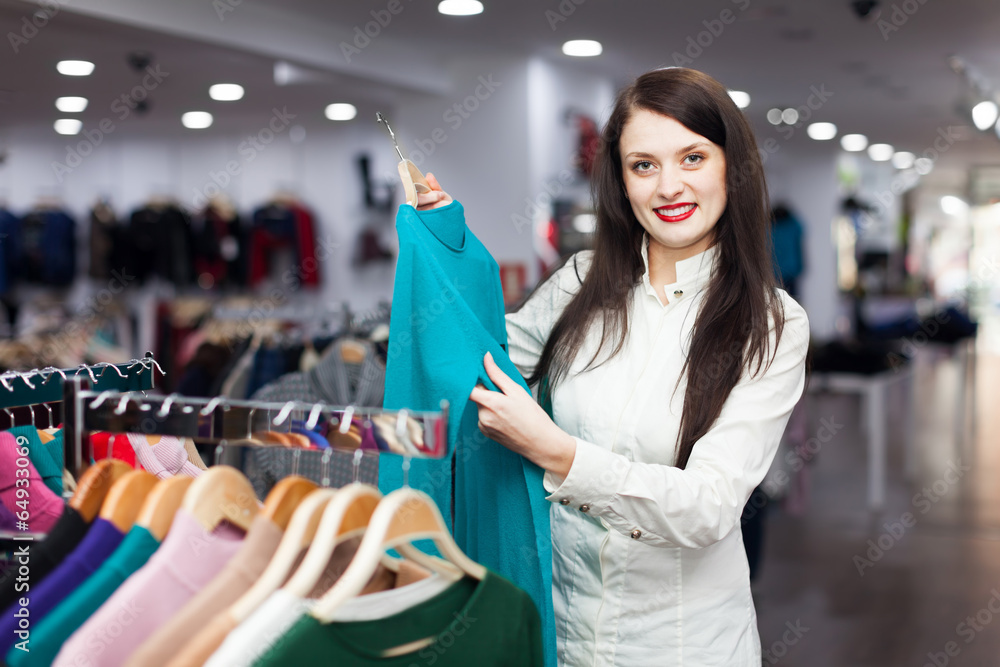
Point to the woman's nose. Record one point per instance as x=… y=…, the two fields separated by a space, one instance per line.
x=670 y=185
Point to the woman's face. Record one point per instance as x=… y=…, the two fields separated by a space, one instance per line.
x=676 y=182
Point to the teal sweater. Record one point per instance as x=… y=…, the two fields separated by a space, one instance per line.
x=447 y=312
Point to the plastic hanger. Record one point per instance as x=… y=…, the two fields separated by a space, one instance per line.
x=284 y=498
x=125 y=498
x=157 y=513
x=222 y=494
x=92 y=487
x=300 y=534
x=345 y=516
x=413 y=180
x=400 y=518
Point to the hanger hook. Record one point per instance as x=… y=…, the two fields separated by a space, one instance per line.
x=24 y=376
x=212 y=404
x=52 y=416
x=90 y=372
x=250 y=421
x=296 y=454
x=10 y=415
x=392 y=135
x=122 y=404
x=406 y=471
x=113 y=367
x=53 y=371
x=165 y=408
x=3 y=381
x=345 y=421
x=314 y=414
x=286 y=410
x=96 y=403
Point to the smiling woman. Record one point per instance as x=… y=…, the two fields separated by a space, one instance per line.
x=669 y=362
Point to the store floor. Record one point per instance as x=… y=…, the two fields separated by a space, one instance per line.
x=827 y=598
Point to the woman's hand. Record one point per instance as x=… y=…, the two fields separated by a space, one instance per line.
x=436 y=198
x=513 y=418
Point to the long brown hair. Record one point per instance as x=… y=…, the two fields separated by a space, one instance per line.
x=731 y=329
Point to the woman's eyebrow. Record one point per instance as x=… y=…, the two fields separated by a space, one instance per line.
x=643 y=154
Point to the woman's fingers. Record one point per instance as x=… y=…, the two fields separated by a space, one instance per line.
x=500 y=379
x=436 y=198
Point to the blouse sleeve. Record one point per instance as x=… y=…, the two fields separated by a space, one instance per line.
x=529 y=327
x=665 y=506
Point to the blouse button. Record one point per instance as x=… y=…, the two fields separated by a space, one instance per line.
x=636 y=534
x=678 y=292
x=584 y=508
x=564 y=501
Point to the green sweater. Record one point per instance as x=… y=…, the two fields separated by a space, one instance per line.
x=488 y=623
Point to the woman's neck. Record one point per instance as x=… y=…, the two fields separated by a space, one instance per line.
x=663 y=263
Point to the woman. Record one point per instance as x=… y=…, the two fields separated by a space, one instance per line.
x=671 y=362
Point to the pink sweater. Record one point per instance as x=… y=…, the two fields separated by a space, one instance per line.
x=43 y=507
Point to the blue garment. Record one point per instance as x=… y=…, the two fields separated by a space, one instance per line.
x=8 y=248
x=99 y=543
x=786 y=238
x=46 y=248
x=447 y=312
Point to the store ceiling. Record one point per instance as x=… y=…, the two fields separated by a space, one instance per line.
x=894 y=86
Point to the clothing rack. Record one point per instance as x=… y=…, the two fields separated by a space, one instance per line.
x=31 y=389
x=226 y=422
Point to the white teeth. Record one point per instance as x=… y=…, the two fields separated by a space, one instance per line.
x=677 y=211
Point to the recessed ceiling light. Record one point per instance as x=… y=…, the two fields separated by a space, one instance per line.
x=923 y=165
x=822 y=131
x=582 y=48
x=854 y=142
x=790 y=116
x=985 y=114
x=903 y=159
x=774 y=116
x=196 y=120
x=340 y=111
x=741 y=98
x=881 y=152
x=460 y=7
x=68 y=126
x=71 y=104
x=75 y=67
x=226 y=92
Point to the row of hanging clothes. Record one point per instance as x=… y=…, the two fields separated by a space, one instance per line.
x=211 y=248
x=156 y=560
x=332 y=355
x=215 y=247
x=195 y=571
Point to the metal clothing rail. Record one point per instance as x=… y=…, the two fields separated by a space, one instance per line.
x=28 y=391
x=225 y=421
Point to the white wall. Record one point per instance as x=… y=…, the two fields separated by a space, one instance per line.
x=803 y=173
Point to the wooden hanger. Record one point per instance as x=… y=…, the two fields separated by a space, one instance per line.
x=400 y=518
x=284 y=498
x=346 y=515
x=413 y=180
x=222 y=494
x=353 y=351
x=125 y=498
x=157 y=513
x=301 y=531
x=93 y=486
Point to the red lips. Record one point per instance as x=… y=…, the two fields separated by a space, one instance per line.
x=676 y=218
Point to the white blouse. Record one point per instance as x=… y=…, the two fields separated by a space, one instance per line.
x=648 y=560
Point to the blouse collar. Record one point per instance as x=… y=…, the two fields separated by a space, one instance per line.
x=693 y=273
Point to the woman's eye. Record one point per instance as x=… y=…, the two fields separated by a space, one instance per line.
x=694 y=158
x=644 y=165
